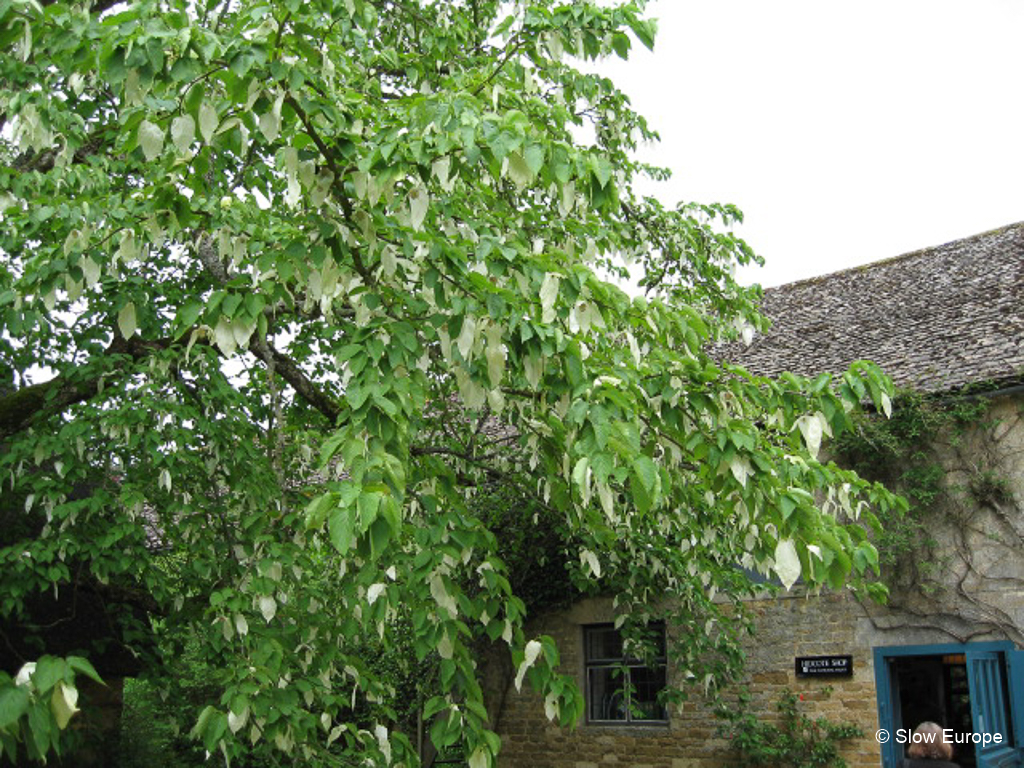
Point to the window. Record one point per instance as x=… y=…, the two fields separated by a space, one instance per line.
x=621 y=689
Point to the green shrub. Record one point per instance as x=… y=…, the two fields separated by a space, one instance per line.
x=793 y=740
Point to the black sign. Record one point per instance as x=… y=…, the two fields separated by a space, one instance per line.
x=824 y=666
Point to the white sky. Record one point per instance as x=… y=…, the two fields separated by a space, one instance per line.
x=847 y=132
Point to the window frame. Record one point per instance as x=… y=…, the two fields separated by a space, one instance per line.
x=626 y=664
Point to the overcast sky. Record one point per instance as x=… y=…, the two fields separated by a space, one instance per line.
x=847 y=132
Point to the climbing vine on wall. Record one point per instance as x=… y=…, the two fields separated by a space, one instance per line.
x=953 y=459
x=900 y=451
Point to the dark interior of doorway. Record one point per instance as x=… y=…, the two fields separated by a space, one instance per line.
x=936 y=688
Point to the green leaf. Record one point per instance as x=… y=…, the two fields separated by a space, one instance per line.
x=151 y=139
x=49 y=670
x=601 y=168
x=645 y=31
x=367 y=505
x=641 y=496
x=13 y=704
x=391 y=513
x=621 y=45
x=341 y=526
x=865 y=557
x=318 y=509
x=39 y=726
x=534 y=158
x=78 y=664
x=126 y=320
x=647 y=472
x=439 y=732
x=434 y=705
x=380 y=535
x=188 y=314
x=210 y=728
x=786 y=506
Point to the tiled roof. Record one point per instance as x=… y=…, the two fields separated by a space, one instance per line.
x=937 y=319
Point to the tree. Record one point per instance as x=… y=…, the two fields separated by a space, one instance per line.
x=285 y=286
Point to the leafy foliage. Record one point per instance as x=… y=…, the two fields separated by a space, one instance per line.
x=793 y=740
x=287 y=287
x=37 y=705
x=151 y=725
x=902 y=452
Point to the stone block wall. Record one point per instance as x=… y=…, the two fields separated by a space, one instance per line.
x=787 y=627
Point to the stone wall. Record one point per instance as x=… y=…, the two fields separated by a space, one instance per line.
x=966 y=579
x=788 y=626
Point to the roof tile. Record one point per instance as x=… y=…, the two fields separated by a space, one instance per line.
x=936 y=319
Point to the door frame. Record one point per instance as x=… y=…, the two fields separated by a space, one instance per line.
x=887 y=718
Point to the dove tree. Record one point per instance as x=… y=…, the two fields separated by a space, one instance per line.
x=287 y=287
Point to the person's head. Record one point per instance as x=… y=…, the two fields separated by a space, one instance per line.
x=928 y=743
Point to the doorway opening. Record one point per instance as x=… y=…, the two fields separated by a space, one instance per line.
x=934 y=688
x=972 y=689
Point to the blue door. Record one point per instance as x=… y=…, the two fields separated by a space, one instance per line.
x=994 y=685
x=990 y=709
x=889 y=716
x=1015 y=674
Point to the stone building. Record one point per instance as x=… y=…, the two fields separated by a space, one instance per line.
x=945 y=322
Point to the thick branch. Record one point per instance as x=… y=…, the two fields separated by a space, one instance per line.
x=277 y=361
x=44 y=162
x=30 y=405
x=288 y=370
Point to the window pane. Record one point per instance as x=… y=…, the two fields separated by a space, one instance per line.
x=646 y=685
x=603 y=644
x=620 y=689
x=653 y=639
x=606 y=699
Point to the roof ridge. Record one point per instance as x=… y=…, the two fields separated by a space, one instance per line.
x=859 y=268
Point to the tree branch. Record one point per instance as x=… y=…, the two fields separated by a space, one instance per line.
x=44 y=162
x=288 y=370
x=509 y=53
x=276 y=361
x=31 y=405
